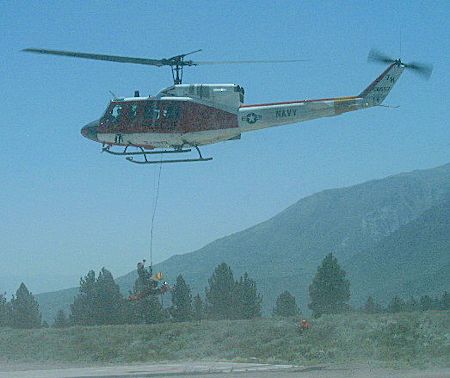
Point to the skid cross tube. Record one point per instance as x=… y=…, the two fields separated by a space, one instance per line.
x=142 y=152
x=146 y=161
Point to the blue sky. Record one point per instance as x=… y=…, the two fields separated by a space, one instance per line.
x=66 y=208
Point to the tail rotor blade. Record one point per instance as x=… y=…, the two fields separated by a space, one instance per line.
x=379 y=57
x=422 y=69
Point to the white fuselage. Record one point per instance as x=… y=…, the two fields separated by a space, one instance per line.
x=220 y=111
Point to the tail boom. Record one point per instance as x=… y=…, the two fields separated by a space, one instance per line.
x=259 y=116
x=254 y=117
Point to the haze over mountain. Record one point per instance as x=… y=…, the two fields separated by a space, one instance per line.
x=371 y=228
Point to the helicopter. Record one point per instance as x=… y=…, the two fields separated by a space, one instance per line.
x=183 y=117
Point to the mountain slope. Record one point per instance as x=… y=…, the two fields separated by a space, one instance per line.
x=283 y=253
x=414 y=260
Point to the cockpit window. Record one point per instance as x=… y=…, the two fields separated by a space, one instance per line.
x=119 y=112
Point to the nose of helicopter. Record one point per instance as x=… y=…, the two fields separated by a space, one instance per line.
x=90 y=130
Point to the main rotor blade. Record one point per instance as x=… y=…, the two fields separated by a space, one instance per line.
x=378 y=56
x=151 y=62
x=248 y=61
x=183 y=55
x=109 y=58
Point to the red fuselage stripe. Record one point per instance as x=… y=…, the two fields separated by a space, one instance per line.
x=300 y=102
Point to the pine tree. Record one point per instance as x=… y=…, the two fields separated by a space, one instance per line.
x=24 y=309
x=181 y=301
x=4 y=311
x=396 y=304
x=198 y=312
x=445 y=301
x=329 y=291
x=371 y=307
x=426 y=303
x=285 y=305
x=110 y=308
x=411 y=305
x=61 y=320
x=435 y=304
x=219 y=294
x=84 y=307
x=148 y=310
x=247 y=301
x=99 y=301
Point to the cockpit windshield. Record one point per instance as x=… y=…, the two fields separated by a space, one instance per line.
x=117 y=113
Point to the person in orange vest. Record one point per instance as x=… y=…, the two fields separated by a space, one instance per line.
x=148 y=283
x=304 y=325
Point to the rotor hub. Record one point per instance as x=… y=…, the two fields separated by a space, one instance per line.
x=399 y=63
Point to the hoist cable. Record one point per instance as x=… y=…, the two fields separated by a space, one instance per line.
x=155 y=204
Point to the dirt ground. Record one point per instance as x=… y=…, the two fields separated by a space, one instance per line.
x=214 y=369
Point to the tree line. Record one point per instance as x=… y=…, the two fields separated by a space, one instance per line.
x=100 y=302
x=398 y=304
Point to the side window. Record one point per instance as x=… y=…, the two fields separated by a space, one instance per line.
x=159 y=113
x=151 y=112
x=132 y=113
x=173 y=112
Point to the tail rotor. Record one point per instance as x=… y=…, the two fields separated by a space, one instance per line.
x=422 y=69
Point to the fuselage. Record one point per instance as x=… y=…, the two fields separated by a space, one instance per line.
x=199 y=114
x=164 y=122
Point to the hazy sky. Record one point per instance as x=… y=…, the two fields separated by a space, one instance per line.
x=66 y=208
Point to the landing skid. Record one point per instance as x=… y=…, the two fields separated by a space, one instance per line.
x=142 y=152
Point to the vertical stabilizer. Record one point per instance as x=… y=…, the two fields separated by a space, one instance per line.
x=377 y=91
